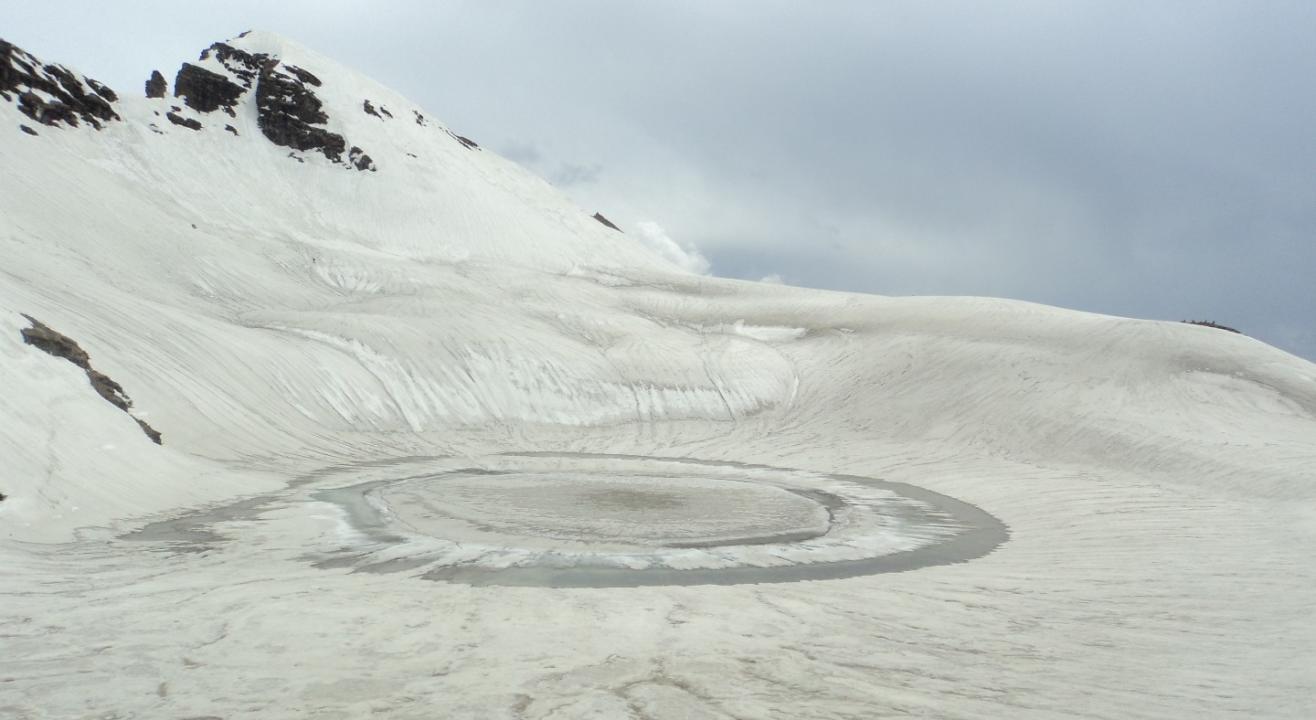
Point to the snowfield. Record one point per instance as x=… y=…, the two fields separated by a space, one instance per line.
x=298 y=328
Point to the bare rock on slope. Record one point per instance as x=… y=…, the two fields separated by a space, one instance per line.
x=156 y=86
x=52 y=94
x=42 y=337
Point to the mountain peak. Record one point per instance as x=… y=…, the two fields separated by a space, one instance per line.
x=266 y=42
x=258 y=70
x=259 y=120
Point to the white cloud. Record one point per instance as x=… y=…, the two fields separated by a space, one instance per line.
x=687 y=256
x=773 y=279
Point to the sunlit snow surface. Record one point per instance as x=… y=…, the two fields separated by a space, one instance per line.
x=340 y=363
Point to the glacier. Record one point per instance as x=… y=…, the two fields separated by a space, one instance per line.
x=385 y=373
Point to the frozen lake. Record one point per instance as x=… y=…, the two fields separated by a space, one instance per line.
x=615 y=521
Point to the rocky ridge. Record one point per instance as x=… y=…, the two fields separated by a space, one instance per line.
x=52 y=94
x=289 y=112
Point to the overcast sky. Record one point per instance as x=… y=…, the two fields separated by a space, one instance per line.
x=1148 y=159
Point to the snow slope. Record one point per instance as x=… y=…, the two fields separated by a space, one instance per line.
x=284 y=318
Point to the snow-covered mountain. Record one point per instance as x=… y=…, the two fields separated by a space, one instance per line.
x=287 y=269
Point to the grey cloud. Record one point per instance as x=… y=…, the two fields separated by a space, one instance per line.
x=570 y=174
x=523 y=153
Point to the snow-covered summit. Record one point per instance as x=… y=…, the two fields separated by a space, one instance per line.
x=323 y=140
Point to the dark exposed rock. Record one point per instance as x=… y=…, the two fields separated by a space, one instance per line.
x=151 y=432
x=245 y=66
x=156 y=86
x=109 y=389
x=1216 y=325
x=27 y=130
x=185 y=122
x=420 y=119
x=34 y=107
x=101 y=89
x=59 y=345
x=206 y=91
x=67 y=100
x=50 y=342
x=288 y=114
x=154 y=435
x=303 y=75
x=469 y=143
x=360 y=160
x=605 y=221
x=381 y=112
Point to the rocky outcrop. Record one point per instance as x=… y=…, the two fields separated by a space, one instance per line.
x=290 y=114
x=606 y=222
x=245 y=66
x=381 y=112
x=102 y=90
x=303 y=75
x=28 y=130
x=52 y=94
x=360 y=160
x=206 y=91
x=59 y=345
x=288 y=111
x=188 y=123
x=156 y=87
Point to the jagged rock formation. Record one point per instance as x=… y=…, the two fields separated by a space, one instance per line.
x=206 y=91
x=156 y=86
x=52 y=94
x=59 y=345
x=289 y=113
